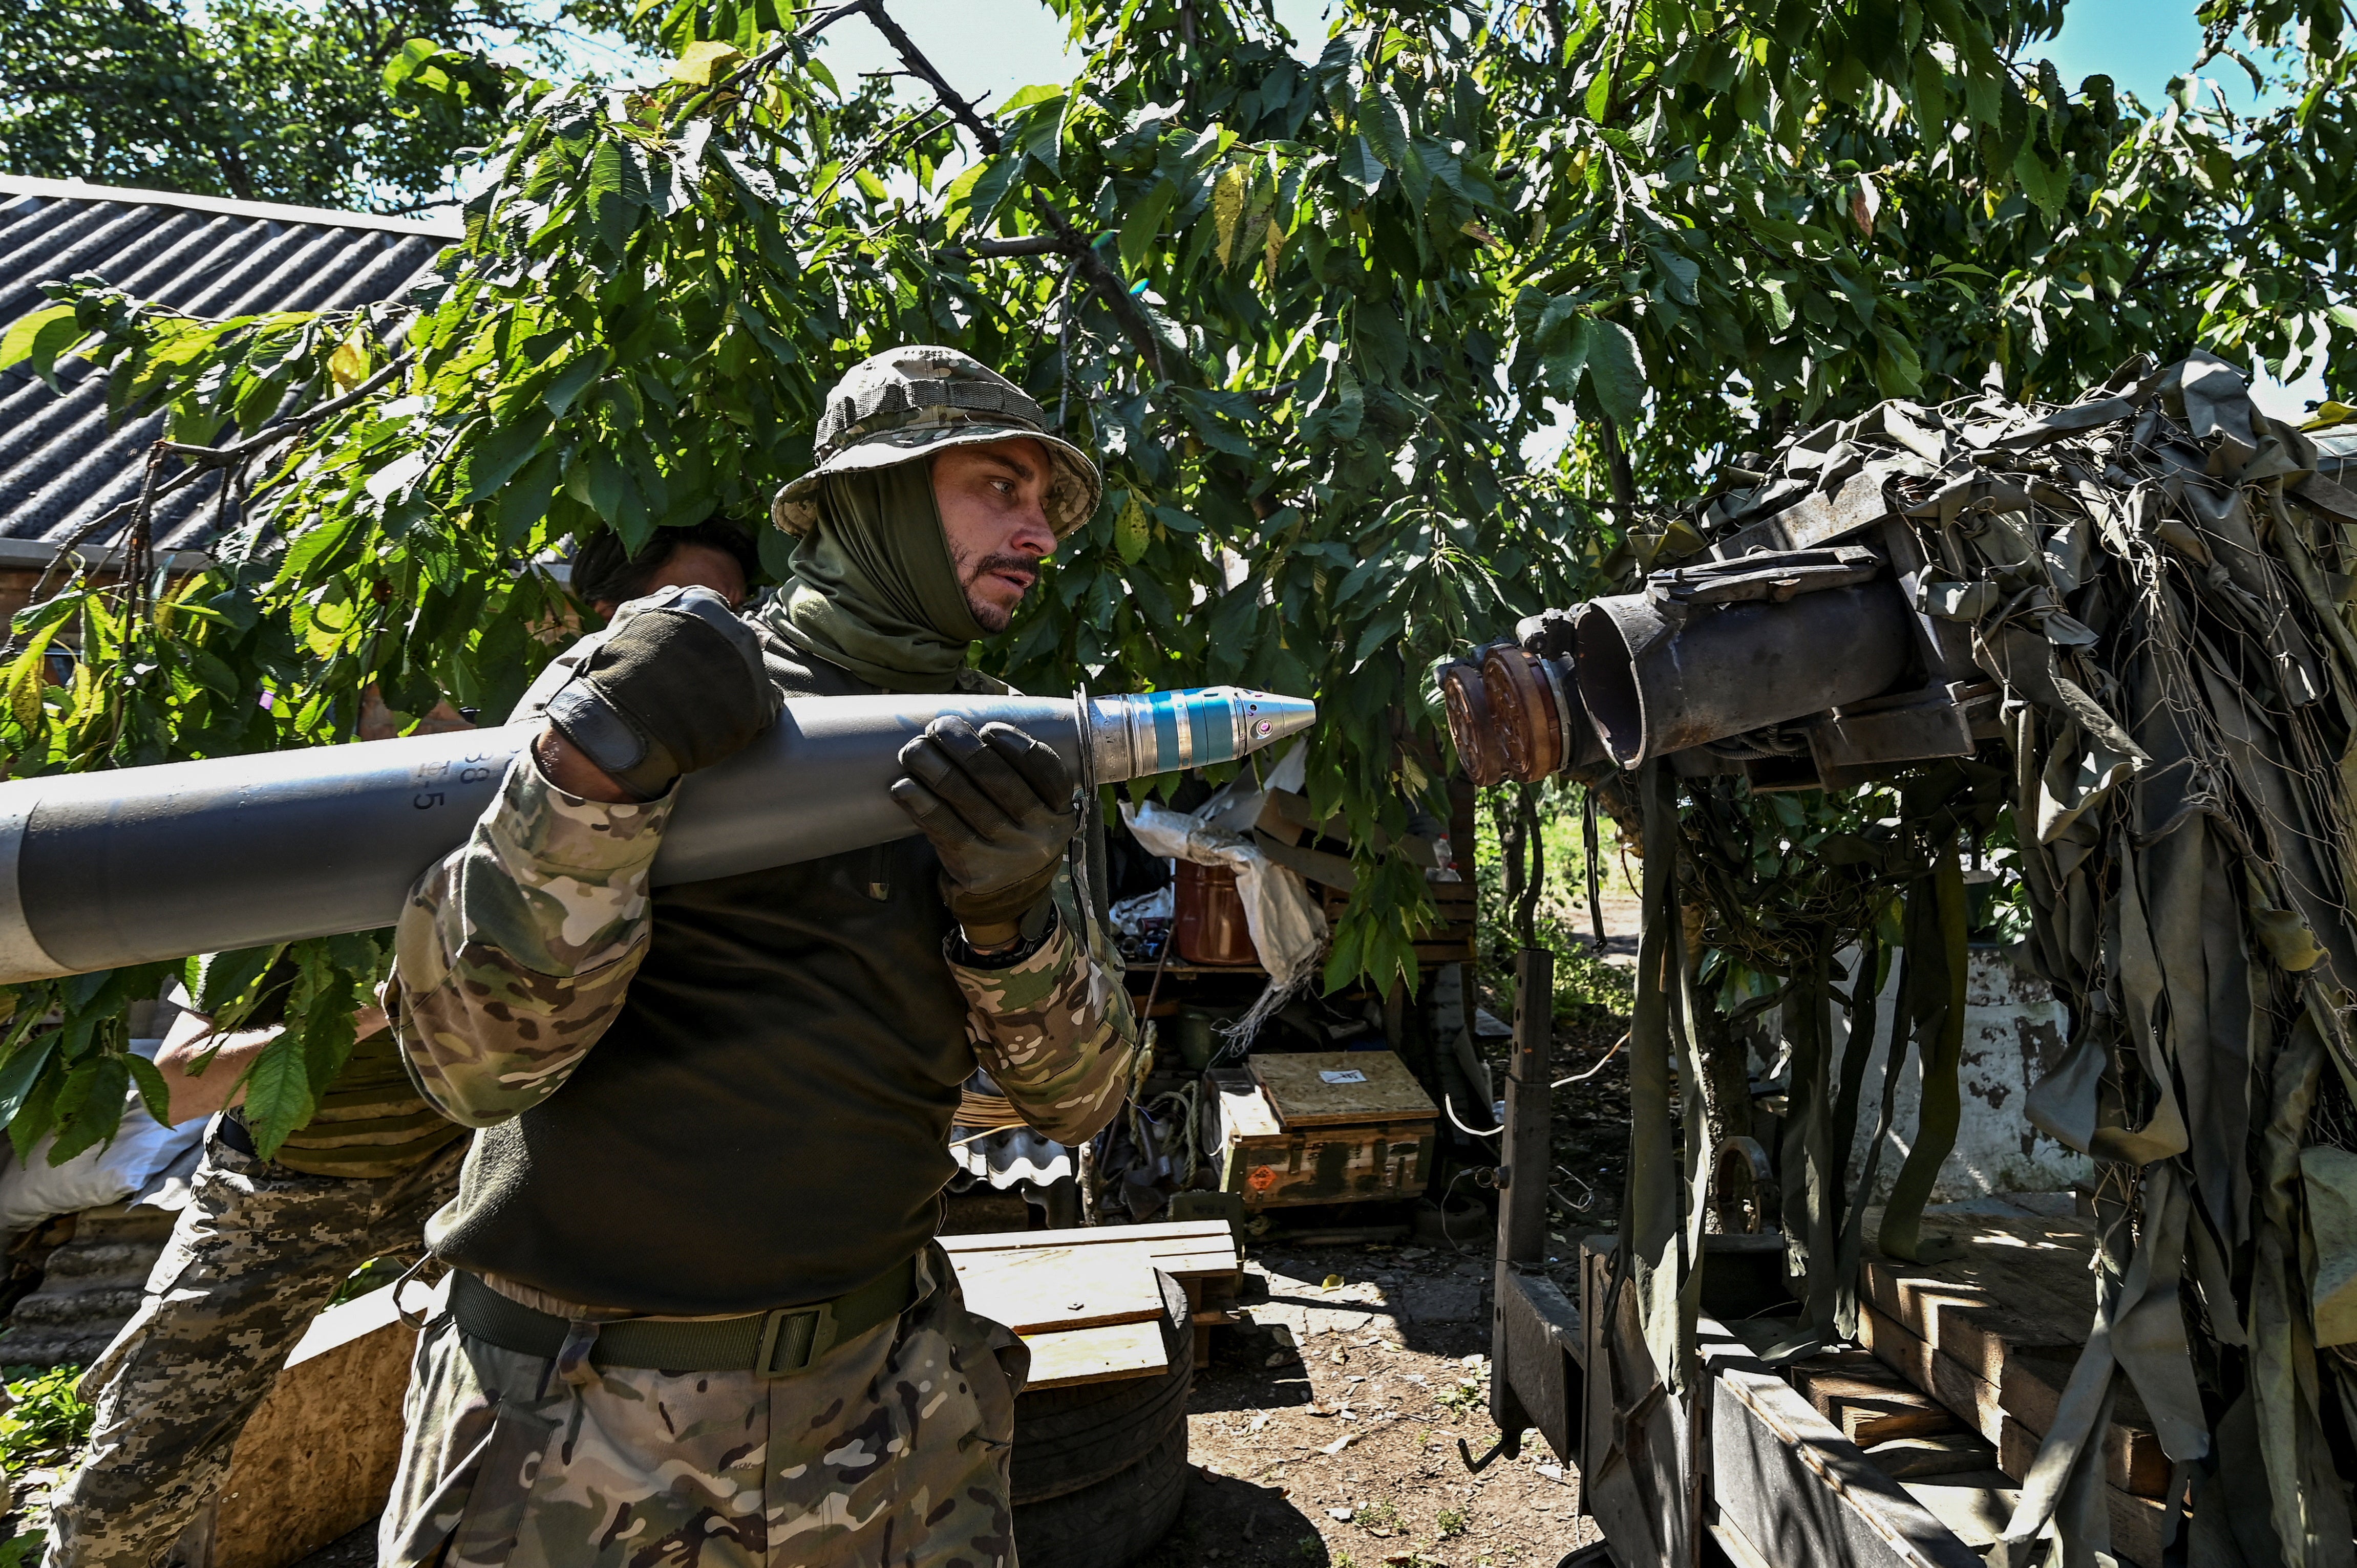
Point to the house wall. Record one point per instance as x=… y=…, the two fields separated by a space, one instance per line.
x=2014 y=1035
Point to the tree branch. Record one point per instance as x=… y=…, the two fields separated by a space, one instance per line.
x=1108 y=287
x=1104 y=282
x=985 y=135
x=237 y=451
x=1022 y=246
x=2144 y=262
x=1616 y=462
x=818 y=25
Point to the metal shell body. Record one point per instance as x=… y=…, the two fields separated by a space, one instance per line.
x=134 y=864
x=1517 y=715
x=1527 y=705
x=1659 y=677
x=1471 y=725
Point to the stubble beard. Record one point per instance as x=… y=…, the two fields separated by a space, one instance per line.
x=992 y=618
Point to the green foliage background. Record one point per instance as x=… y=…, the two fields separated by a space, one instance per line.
x=260 y=99
x=1313 y=315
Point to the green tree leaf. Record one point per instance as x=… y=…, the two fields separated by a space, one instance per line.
x=1358 y=164
x=154 y=1092
x=1616 y=371
x=40 y=335
x=496 y=459
x=89 y=1104
x=20 y=1071
x=1131 y=533
x=1383 y=124
x=277 y=1093
x=1143 y=225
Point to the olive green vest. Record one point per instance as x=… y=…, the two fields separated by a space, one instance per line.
x=766 y=1123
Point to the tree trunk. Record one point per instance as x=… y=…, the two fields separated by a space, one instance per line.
x=1724 y=1061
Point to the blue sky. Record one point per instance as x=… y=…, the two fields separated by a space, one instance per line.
x=2139 y=44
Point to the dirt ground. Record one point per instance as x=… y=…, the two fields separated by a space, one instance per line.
x=1341 y=1424
x=1351 y=1444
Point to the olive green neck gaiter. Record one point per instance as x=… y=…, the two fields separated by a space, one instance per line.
x=874 y=588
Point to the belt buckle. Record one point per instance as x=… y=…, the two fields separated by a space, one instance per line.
x=773 y=1331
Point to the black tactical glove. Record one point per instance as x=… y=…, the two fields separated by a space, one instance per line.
x=998 y=807
x=677 y=685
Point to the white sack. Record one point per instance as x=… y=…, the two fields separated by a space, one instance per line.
x=1287 y=927
x=34 y=1189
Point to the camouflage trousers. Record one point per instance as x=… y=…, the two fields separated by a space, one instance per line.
x=257 y=1252
x=890 y=1449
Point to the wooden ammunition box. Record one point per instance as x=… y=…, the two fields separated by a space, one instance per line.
x=1320 y=1127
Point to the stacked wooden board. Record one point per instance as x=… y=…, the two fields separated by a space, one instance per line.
x=1869 y=1403
x=1991 y=1331
x=1321 y=1127
x=1086 y=1301
x=1288 y=834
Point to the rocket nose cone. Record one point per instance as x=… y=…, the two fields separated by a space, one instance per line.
x=1269 y=718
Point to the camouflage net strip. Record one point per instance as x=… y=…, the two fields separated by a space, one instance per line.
x=2157 y=578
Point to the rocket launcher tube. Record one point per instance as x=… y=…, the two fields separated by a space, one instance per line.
x=133 y=864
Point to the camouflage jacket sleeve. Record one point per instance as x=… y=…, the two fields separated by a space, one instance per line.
x=1055 y=1029
x=514 y=953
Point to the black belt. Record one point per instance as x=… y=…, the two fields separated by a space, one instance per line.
x=234 y=1133
x=770 y=1343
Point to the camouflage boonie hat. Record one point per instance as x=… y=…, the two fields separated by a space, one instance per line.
x=904 y=403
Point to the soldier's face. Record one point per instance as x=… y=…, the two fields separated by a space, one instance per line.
x=994 y=504
x=695 y=566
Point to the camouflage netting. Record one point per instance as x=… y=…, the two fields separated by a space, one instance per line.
x=2152 y=586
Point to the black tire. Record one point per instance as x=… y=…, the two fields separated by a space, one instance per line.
x=1111 y=1523
x=1069 y=1438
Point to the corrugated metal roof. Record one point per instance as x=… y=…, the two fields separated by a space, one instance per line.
x=60 y=466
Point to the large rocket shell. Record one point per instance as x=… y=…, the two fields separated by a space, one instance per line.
x=132 y=864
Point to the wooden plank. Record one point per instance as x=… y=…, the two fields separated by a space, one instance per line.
x=1870 y=1410
x=2012 y=1307
x=1101 y=1355
x=1186 y=1267
x=1209 y=1233
x=1112 y=1266
x=1972 y=1399
x=1965 y=1319
x=1909 y=1458
x=2133 y=1460
x=2031 y=1268
x=1374 y=1086
x=1185 y=1249
x=318 y=1458
x=1049 y=1288
x=2139 y=1525
x=1802 y=1493
x=2032 y=1393
x=2003 y=1290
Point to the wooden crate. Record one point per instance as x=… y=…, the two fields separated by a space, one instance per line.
x=1450 y=942
x=1285 y=1135
x=1086 y=1301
